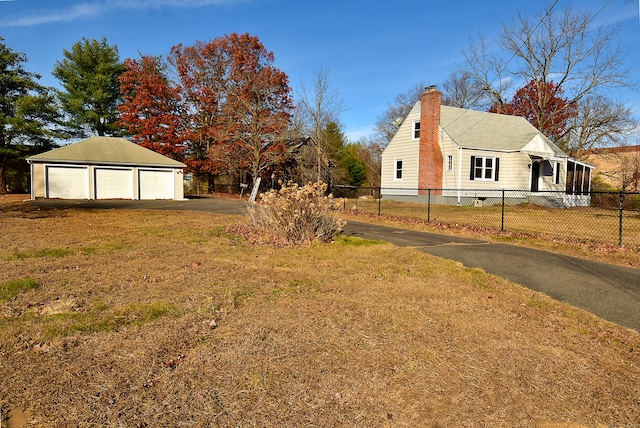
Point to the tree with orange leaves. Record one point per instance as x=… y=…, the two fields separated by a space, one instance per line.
x=541 y=103
x=237 y=102
x=152 y=109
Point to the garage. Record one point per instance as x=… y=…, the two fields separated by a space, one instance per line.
x=156 y=184
x=113 y=183
x=105 y=168
x=67 y=182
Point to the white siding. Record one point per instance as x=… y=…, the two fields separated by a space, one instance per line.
x=450 y=179
x=404 y=147
x=539 y=146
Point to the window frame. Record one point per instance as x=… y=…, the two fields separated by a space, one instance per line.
x=415 y=129
x=396 y=170
x=494 y=169
x=449 y=165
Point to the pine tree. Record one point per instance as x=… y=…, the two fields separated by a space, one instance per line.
x=28 y=115
x=91 y=90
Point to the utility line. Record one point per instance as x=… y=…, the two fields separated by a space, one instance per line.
x=504 y=68
x=514 y=55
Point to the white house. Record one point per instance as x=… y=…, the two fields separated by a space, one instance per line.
x=455 y=155
x=105 y=168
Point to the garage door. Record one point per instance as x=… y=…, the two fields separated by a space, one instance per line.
x=156 y=184
x=66 y=182
x=112 y=183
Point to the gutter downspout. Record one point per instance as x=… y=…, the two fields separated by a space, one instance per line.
x=459 y=172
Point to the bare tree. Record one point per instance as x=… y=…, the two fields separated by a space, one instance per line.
x=558 y=47
x=320 y=104
x=459 y=90
x=389 y=121
x=600 y=123
x=369 y=151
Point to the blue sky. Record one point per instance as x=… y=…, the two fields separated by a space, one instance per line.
x=373 y=50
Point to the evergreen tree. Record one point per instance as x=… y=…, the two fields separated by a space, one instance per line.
x=28 y=115
x=332 y=141
x=355 y=168
x=90 y=97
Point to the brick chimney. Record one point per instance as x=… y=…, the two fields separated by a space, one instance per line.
x=430 y=161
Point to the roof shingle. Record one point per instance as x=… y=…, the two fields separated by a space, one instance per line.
x=106 y=151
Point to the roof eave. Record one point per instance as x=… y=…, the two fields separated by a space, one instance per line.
x=103 y=163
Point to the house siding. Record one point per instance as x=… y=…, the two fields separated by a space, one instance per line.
x=402 y=146
x=450 y=179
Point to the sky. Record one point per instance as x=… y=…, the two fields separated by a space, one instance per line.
x=371 y=50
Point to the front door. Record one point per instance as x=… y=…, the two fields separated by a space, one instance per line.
x=535 y=175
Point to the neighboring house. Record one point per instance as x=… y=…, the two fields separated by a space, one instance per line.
x=105 y=168
x=454 y=155
x=617 y=166
x=308 y=162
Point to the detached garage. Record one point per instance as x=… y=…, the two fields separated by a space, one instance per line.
x=105 y=168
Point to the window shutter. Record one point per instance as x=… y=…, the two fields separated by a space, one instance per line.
x=497 y=168
x=473 y=167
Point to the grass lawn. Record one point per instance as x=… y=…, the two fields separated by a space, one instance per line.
x=160 y=318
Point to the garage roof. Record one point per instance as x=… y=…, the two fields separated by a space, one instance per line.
x=106 y=151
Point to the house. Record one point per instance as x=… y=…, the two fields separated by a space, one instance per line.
x=459 y=156
x=308 y=162
x=105 y=168
x=618 y=167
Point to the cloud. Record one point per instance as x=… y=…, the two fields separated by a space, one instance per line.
x=89 y=10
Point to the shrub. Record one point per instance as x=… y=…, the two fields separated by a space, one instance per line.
x=296 y=215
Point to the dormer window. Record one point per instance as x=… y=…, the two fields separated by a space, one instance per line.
x=416 y=130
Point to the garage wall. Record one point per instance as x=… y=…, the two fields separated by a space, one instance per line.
x=37 y=181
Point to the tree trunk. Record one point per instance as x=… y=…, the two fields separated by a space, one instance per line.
x=3 y=179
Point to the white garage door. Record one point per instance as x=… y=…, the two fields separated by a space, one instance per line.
x=156 y=184
x=114 y=183
x=66 y=182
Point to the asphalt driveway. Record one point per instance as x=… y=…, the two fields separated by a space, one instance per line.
x=609 y=291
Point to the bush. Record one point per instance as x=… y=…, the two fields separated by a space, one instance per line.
x=295 y=215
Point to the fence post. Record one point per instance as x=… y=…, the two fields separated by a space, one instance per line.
x=428 y=205
x=379 y=199
x=502 y=225
x=620 y=224
x=357 y=195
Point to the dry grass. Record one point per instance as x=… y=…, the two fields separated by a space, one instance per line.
x=171 y=321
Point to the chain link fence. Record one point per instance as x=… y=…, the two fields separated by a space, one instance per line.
x=605 y=218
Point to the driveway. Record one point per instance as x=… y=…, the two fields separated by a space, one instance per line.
x=612 y=292
x=609 y=291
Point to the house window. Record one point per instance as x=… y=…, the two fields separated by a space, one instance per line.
x=416 y=130
x=398 y=170
x=556 y=173
x=484 y=168
x=449 y=162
